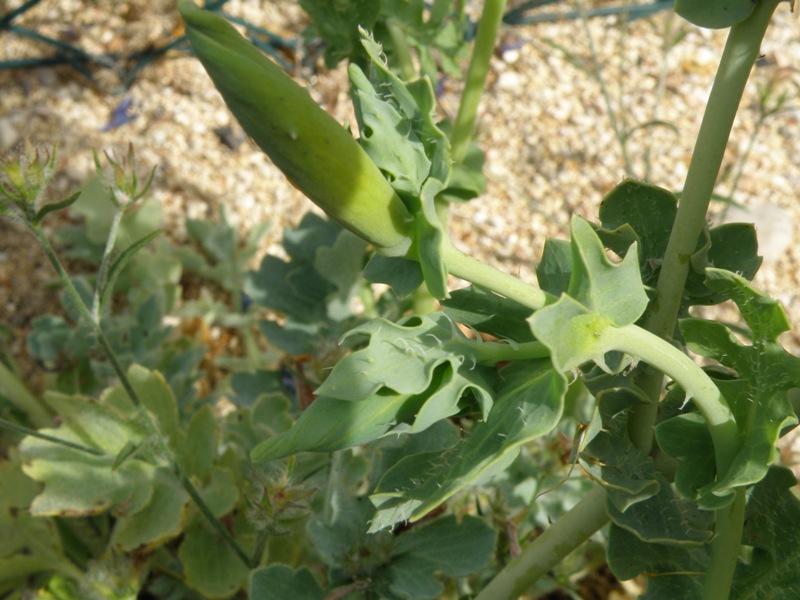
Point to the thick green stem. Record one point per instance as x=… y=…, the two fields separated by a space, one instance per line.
x=163 y=446
x=725 y=548
x=542 y=554
x=485 y=276
x=738 y=58
x=491 y=353
x=668 y=359
x=464 y=125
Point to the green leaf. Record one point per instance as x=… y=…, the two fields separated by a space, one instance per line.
x=446 y=546
x=731 y=246
x=714 y=14
x=399 y=132
x=601 y=296
x=342 y=265
x=555 y=269
x=210 y=565
x=337 y=24
x=54 y=206
x=281 y=581
x=489 y=313
x=529 y=404
x=772 y=529
x=403 y=275
x=679 y=569
x=613 y=291
x=401 y=357
x=687 y=439
x=762 y=374
x=157 y=397
x=119 y=264
x=198 y=446
x=159 y=521
x=641 y=213
x=626 y=472
x=64 y=471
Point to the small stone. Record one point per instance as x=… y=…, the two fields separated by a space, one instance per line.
x=9 y=135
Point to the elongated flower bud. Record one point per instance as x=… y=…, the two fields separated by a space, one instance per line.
x=315 y=152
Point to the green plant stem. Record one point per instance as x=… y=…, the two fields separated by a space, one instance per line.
x=464 y=125
x=485 y=276
x=4 y=424
x=741 y=51
x=134 y=397
x=542 y=554
x=739 y=56
x=13 y=390
x=668 y=359
x=491 y=353
x=725 y=548
x=102 y=273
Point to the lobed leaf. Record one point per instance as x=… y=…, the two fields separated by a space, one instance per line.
x=757 y=390
x=529 y=404
x=409 y=376
x=398 y=130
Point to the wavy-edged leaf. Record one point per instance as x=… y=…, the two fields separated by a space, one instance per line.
x=772 y=529
x=763 y=373
x=528 y=405
x=399 y=132
x=489 y=313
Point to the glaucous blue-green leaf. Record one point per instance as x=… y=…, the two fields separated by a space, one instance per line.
x=489 y=313
x=554 y=270
x=403 y=275
x=610 y=458
x=687 y=439
x=337 y=24
x=28 y=544
x=664 y=518
x=764 y=372
x=730 y=246
x=675 y=571
x=209 y=564
x=447 y=546
x=342 y=265
x=772 y=529
x=528 y=405
x=160 y=520
x=398 y=130
x=281 y=581
x=197 y=448
x=641 y=213
x=601 y=296
x=402 y=357
x=714 y=14
x=65 y=471
x=409 y=376
x=612 y=290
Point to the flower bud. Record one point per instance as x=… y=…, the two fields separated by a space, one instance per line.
x=317 y=154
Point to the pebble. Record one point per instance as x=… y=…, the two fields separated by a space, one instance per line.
x=9 y=135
